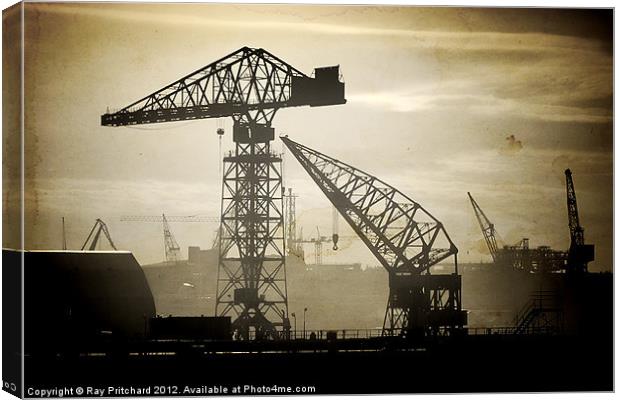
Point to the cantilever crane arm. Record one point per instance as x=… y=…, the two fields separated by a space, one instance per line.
x=248 y=85
x=401 y=234
x=487 y=227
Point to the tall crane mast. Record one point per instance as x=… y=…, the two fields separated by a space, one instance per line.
x=487 y=227
x=172 y=250
x=579 y=253
x=406 y=239
x=292 y=243
x=248 y=85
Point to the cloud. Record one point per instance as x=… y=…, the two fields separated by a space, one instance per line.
x=469 y=40
x=478 y=104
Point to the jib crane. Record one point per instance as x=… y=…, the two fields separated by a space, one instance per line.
x=487 y=227
x=172 y=250
x=95 y=233
x=518 y=256
x=249 y=85
x=406 y=239
x=579 y=253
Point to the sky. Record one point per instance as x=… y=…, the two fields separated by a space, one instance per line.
x=440 y=102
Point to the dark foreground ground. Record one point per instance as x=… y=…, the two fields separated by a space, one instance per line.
x=482 y=363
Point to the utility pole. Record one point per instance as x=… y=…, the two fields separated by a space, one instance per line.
x=64 y=235
x=305 y=309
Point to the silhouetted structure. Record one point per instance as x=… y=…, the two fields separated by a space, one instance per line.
x=75 y=299
x=249 y=85
x=403 y=236
x=518 y=256
x=95 y=234
x=541 y=259
x=579 y=253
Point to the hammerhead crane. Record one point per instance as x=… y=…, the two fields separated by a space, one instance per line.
x=579 y=253
x=248 y=85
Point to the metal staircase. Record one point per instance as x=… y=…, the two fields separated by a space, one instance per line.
x=541 y=314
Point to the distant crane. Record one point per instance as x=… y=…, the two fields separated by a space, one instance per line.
x=579 y=253
x=293 y=246
x=318 y=245
x=542 y=258
x=487 y=227
x=171 y=247
x=518 y=256
x=95 y=233
x=294 y=242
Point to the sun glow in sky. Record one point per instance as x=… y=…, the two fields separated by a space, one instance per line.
x=437 y=100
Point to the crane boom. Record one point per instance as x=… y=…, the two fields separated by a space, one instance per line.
x=579 y=253
x=576 y=231
x=487 y=227
x=400 y=234
x=95 y=233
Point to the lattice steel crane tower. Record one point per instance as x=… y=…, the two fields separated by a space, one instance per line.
x=249 y=85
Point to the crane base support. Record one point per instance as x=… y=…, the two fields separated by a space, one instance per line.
x=425 y=305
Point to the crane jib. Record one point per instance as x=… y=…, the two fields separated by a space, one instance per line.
x=251 y=94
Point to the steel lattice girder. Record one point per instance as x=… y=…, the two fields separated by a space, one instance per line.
x=245 y=81
x=252 y=241
x=248 y=84
x=400 y=233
